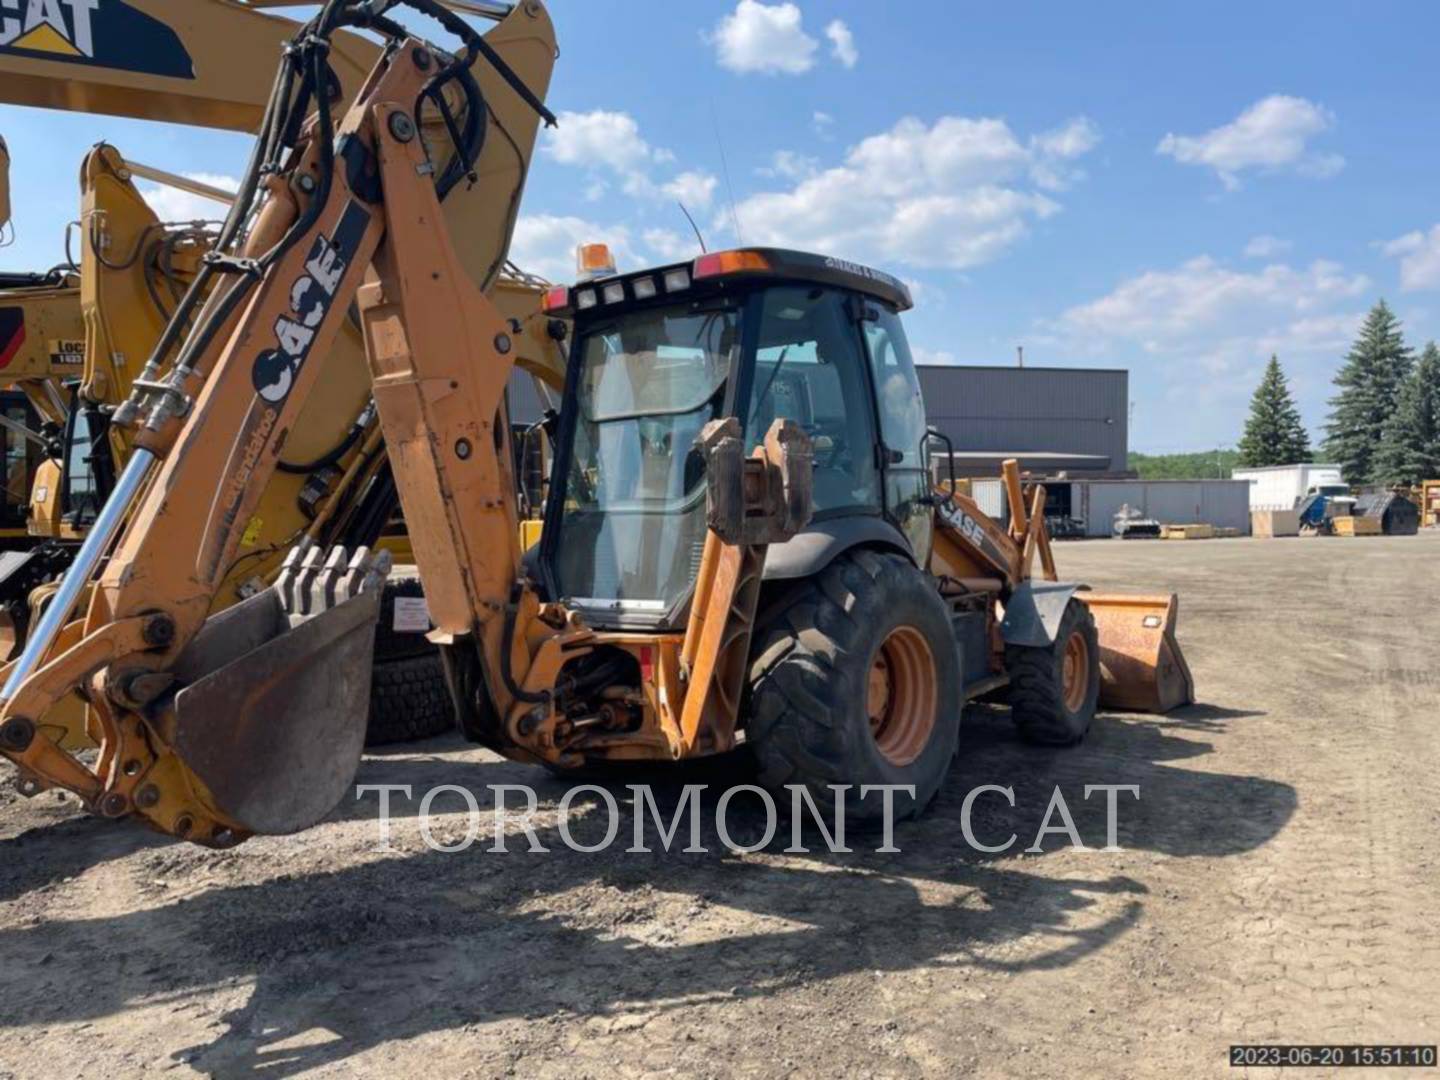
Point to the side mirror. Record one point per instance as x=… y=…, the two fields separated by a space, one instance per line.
x=933 y=435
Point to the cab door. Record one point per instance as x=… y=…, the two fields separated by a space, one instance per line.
x=901 y=409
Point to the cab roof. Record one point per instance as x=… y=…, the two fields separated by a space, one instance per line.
x=787 y=264
x=718 y=269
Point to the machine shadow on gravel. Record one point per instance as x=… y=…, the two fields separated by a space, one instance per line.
x=419 y=941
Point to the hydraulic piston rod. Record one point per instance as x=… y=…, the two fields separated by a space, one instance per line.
x=97 y=543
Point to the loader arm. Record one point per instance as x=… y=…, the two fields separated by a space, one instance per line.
x=1142 y=667
x=212 y=424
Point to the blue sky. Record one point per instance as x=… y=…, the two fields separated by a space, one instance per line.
x=1175 y=189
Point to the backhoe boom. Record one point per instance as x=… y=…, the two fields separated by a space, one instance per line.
x=213 y=431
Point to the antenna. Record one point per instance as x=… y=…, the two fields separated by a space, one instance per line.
x=691 y=220
x=1020 y=355
x=725 y=171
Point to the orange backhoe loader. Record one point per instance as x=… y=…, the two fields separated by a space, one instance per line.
x=743 y=542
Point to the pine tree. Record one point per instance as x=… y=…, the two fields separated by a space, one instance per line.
x=1274 y=434
x=1410 y=449
x=1377 y=366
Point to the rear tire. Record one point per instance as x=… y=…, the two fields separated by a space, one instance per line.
x=409 y=700
x=855 y=679
x=1053 y=690
x=392 y=644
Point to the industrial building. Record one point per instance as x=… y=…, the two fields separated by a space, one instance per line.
x=1071 y=420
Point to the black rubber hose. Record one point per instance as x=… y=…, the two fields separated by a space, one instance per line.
x=333 y=456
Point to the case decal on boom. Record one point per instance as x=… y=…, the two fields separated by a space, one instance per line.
x=310 y=299
x=275 y=370
x=102 y=33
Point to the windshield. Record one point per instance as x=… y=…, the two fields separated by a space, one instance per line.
x=82 y=491
x=633 y=519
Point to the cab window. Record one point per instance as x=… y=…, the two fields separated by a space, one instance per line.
x=902 y=427
x=809 y=368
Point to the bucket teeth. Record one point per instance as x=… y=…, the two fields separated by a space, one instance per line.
x=311 y=582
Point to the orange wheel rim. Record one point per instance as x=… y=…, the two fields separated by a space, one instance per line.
x=1075 y=685
x=901 y=695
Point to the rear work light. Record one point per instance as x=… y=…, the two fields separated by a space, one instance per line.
x=644 y=288
x=585 y=299
x=615 y=292
x=719 y=263
x=677 y=280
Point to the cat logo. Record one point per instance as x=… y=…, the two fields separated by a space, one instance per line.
x=103 y=33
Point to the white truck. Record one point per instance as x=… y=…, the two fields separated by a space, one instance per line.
x=1282 y=487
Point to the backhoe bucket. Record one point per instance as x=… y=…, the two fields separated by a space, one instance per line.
x=272 y=716
x=1141 y=666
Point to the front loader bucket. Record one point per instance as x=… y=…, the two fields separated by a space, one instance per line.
x=1141 y=666
x=272 y=716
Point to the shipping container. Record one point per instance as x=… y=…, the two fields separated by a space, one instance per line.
x=1095 y=503
x=1222 y=503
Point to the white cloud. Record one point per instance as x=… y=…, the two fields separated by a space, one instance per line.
x=603 y=140
x=1266 y=246
x=610 y=142
x=766 y=38
x=694 y=189
x=842 y=43
x=1271 y=135
x=172 y=204
x=669 y=245
x=545 y=244
x=1072 y=140
x=1193 y=305
x=948 y=195
x=789 y=164
x=1419 y=255
x=1196 y=337
x=1053 y=151
x=823 y=123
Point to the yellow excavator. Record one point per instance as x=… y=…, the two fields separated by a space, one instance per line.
x=41 y=347
x=334 y=482
x=743 y=543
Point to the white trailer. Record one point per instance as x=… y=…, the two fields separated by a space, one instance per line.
x=1281 y=487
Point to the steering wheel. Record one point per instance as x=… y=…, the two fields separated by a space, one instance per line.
x=828 y=447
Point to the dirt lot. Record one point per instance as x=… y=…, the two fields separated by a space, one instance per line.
x=1279 y=884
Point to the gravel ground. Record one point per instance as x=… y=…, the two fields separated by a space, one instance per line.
x=1277 y=884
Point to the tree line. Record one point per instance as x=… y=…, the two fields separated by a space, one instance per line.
x=1384 y=422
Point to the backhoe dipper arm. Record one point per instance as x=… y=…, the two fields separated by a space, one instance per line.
x=216 y=425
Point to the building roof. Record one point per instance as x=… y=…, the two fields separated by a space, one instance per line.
x=1027 y=367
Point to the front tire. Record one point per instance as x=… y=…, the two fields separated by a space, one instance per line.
x=856 y=680
x=1054 y=690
